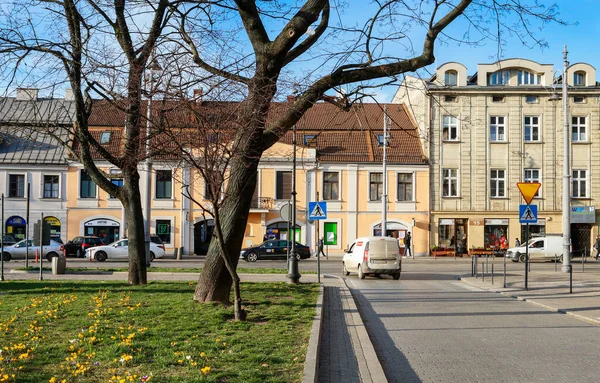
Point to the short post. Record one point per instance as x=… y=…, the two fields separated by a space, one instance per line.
x=483 y=271
x=487 y=269
x=472 y=266
x=583 y=261
x=504 y=272
x=571 y=280
x=476 y=269
x=555 y=261
x=492 y=273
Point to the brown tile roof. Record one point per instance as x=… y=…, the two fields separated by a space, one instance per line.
x=341 y=136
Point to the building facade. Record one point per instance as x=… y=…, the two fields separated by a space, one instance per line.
x=501 y=126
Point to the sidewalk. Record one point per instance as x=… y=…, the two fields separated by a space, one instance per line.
x=550 y=290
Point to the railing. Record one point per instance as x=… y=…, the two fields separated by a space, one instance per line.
x=262 y=203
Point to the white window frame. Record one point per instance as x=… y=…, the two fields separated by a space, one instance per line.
x=450 y=123
x=501 y=77
x=579 y=129
x=579 y=78
x=525 y=77
x=500 y=181
x=496 y=125
x=412 y=184
x=533 y=127
x=172 y=196
x=580 y=181
x=339 y=181
x=530 y=176
x=44 y=186
x=448 y=77
x=451 y=179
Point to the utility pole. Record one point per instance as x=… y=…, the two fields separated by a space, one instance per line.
x=384 y=192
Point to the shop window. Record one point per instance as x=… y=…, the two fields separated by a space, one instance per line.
x=495 y=234
x=163 y=230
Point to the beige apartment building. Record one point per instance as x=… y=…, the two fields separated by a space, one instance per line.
x=486 y=131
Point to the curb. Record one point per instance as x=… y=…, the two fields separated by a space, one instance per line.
x=311 y=364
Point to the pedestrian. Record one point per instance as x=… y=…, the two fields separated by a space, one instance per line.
x=407 y=240
x=597 y=246
x=517 y=242
x=320 y=250
x=265 y=237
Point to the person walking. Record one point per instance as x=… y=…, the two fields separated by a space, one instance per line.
x=320 y=249
x=597 y=246
x=407 y=240
x=517 y=242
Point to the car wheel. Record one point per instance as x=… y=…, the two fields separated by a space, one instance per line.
x=51 y=255
x=79 y=253
x=252 y=257
x=523 y=258
x=6 y=257
x=100 y=256
x=344 y=270
x=396 y=276
x=361 y=274
x=152 y=256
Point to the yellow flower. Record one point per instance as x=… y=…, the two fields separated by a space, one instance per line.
x=202 y=354
x=52 y=380
x=205 y=370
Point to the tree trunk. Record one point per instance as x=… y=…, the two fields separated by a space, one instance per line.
x=132 y=203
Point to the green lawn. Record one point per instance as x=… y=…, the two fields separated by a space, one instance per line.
x=240 y=270
x=56 y=331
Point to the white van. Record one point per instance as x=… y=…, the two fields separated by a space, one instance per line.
x=547 y=247
x=373 y=256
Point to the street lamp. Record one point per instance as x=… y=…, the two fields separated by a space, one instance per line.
x=153 y=66
x=293 y=273
x=566 y=208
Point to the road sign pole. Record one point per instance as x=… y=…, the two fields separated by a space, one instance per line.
x=526 y=255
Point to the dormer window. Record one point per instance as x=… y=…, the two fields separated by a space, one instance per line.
x=579 y=78
x=105 y=137
x=307 y=139
x=498 y=78
x=450 y=77
x=528 y=78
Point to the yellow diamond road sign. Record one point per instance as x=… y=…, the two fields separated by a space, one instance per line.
x=528 y=190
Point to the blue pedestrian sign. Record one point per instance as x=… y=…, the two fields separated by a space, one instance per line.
x=528 y=213
x=317 y=210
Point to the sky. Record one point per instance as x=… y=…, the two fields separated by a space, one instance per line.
x=582 y=38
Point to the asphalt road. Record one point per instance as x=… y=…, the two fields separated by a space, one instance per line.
x=430 y=327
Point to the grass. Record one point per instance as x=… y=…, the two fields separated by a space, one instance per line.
x=240 y=270
x=113 y=332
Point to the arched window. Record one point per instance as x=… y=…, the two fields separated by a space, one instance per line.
x=498 y=78
x=450 y=77
x=579 y=78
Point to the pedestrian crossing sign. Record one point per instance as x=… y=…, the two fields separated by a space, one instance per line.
x=317 y=210
x=528 y=213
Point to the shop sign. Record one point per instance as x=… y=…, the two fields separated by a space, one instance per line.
x=476 y=222
x=496 y=221
x=446 y=222
x=15 y=221
x=101 y=222
x=583 y=214
x=52 y=221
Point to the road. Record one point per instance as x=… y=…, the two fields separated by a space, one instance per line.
x=430 y=327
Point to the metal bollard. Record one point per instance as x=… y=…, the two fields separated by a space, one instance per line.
x=492 y=273
x=571 y=280
x=483 y=271
x=487 y=269
x=476 y=268
x=472 y=266
x=504 y=272
x=555 y=261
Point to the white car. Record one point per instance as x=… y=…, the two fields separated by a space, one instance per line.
x=373 y=256
x=19 y=250
x=119 y=250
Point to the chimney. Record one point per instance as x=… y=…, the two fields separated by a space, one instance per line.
x=24 y=94
x=198 y=95
x=69 y=94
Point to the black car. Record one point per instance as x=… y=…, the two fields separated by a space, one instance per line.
x=273 y=249
x=78 y=245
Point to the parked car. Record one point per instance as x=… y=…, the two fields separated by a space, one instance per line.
x=78 y=245
x=19 y=250
x=373 y=256
x=119 y=250
x=273 y=249
x=548 y=247
x=8 y=240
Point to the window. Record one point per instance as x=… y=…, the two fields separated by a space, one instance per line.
x=579 y=99
x=528 y=78
x=50 y=186
x=579 y=184
x=450 y=77
x=164 y=184
x=497 y=183
x=284 y=185
x=16 y=186
x=532 y=128
x=405 y=187
x=578 y=129
x=118 y=182
x=449 y=183
x=450 y=98
x=532 y=175
x=87 y=187
x=498 y=78
x=308 y=139
x=532 y=99
x=163 y=230
x=105 y=137
x=450 y=129
x=497 y=98
x=375 y=186
x=497 y=128
x=330 y=185
x=579 y=78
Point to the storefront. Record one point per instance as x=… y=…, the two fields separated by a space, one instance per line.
x=496 y=233
x=106 y=229
x=392 y=229
x=279 y=230
x=54 y=226
x=452 y=234
x=535 y=230
x=16 y=227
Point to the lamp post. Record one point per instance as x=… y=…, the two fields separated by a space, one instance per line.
x=384 y=194
x=293 y=274
x=148 y=162
x=566 y=209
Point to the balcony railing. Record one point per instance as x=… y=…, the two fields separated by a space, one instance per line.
x=262 y=203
